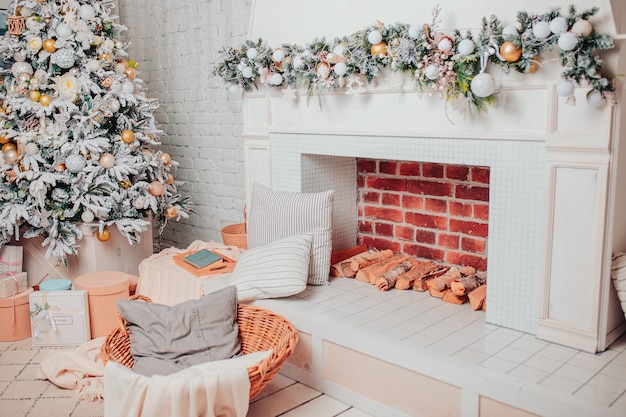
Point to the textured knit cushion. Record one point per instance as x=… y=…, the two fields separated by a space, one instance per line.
x=275 y=215
x=279 y=269
x=165 y=339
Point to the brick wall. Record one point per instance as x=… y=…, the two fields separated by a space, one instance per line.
x=176 y=45
x=427 y=210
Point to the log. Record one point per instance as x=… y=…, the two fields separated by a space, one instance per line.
x=406 y=280
x=477 y=297
x=442 y=282
x=342 y=268
x=340 y=255
x=421 y=284
x=388 y=279
x=370 y=273
x=465 y=285
x=449 y=297
x=370 y=258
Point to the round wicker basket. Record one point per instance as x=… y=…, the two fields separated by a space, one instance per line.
x=259 y=329
x=235 y=235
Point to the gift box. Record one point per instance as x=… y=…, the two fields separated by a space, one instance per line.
x=11 y=258
x=15 y=317
x=59 y=318
x=12 y=283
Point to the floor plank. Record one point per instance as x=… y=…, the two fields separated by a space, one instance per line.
x=282 y=401
x=322 y=406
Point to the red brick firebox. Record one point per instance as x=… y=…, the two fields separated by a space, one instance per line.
x=428 y=210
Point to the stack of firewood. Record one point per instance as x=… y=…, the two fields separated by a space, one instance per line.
x=387 y=270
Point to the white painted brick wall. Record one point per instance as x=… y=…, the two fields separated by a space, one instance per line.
x=176 y=45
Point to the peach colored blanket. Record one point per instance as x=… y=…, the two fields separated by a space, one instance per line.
x=167 y=283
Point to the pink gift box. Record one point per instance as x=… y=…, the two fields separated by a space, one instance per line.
x=11 y=257
x=12 y=283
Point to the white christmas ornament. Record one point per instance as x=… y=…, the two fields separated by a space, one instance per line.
x=252 y=53
x=127 y=87
x=63 y=30
x=93 y=65
x=19 y=56
x=339 y=49
x=120 y=67
x=297 y=62
x=247 y=72
x=74 y=163
x=374 y=37
x=483 y=85
x=278 y=55
x=414 y=31
x=558 y=25
x=86 y=12
x=466 y=47
x=582 y=28
x=114 y=105
x=20 y=67
x=276 y=79
x=510 y=32
x=431 y=72
x=35 y=43
x=64 y=58
x=594 y=98
x=444 y=44
x=340 y=68
x=41 y=74
x=31 y=148
x=233 y=89
x=541 y=29
x=565 y=88
x=87 y=216
x=139 y=202
x=568 y=41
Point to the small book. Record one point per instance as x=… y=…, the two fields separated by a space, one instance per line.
x=202 y=258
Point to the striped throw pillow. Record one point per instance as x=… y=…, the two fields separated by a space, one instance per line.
x=274 y=215
x=279 y=269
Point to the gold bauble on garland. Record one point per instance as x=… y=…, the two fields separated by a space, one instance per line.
x=171 y=212
x=45 y=100
x=379 y=48
x=130 y=72
x=8 y=145
x=34 y=95
x=4 y=139
x=510 y=52
x=165 y=158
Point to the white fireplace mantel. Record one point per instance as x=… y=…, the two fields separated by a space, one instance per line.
x=562 y=167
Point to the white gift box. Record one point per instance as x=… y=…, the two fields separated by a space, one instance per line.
x=59 y=318
x=11 y=257
x=12 y=283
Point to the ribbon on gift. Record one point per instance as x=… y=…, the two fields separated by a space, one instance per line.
x=43 y=320
x=17 y=289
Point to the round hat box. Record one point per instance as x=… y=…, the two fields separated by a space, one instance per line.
x=10 y=331
x=60 y=284
x=103 y=288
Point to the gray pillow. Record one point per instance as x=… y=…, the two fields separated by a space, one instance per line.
x=165 y=339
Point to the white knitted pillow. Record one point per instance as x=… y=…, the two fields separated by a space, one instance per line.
x=275 y=215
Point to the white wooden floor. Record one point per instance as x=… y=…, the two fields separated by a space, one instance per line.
x=288 y=398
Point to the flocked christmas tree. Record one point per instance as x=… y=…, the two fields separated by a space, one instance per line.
x=78 y=135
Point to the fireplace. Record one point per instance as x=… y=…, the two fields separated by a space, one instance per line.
x=556 y=212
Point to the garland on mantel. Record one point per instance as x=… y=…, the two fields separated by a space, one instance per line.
x=451 y=63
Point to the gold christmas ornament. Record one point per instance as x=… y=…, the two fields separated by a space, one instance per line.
x=61 y=167
x=34 y=95
x=10 y=156
x=103 y=235
x=170 y=179
x=510 y=52
x=171 y=212
x=126 y=184
x=379 y=48
x=534 y=64
x=45 y=100
x=156 y=188
x=106 y=160
x=128 y=136
x=4 y=139
x=49 y=45
x=165 y=158
x=7 y=146
x=130 y=72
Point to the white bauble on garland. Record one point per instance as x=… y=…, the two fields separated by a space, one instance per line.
x=127 y=87
x=568 y=41
x=31 y=148
x=276 y=79
x=63 y=30
x=74 y=163
x=233 y=89
x=594 y=98
x=565 y=88
x=278 y=55
x=582 y=27
x=64 y=58
x=114 y=105
x=86 y=12
x=510 y=32
x=93 y=65
x=541 y=29
x=87 y=216
x=20 y=67
x=374 y=37
x=466 y=47
x=558 y=25
x=340 y=68
x=431 y=72
x=252 y=53
x=483 y=85
x=414 y=31
x=247 y=72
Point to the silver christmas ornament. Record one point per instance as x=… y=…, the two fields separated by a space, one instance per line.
x=74 y=163
x=64 y=58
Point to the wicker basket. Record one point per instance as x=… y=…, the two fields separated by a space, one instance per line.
x=235 y=235
x=259 y=329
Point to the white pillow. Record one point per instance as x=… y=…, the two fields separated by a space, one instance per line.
x=275 y=215
x=279 y=269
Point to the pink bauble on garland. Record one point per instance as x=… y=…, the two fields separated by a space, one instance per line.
x=156 y=188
